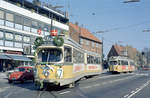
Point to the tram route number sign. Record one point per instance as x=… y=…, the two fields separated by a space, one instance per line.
x=48 y=40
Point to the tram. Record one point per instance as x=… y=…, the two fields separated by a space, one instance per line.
x=119 y=64
x=64 y=64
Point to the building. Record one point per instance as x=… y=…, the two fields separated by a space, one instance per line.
x=21 y=22
x=127 y=51
x=85 y=38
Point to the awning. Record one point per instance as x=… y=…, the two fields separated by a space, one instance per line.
x=4 y=57
x=19 y=58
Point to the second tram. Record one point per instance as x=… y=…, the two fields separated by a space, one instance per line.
x=121 y=64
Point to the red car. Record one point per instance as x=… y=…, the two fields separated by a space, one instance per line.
x=21 y=74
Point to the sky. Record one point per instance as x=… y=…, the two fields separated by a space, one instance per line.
x=123 y=23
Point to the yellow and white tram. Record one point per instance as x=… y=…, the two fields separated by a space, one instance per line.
x=121 y=64
x=65 y=64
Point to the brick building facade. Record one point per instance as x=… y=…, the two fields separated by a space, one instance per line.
x=85 y=38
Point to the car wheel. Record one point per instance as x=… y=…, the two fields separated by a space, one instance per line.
x=22 y=81
x=10 y=81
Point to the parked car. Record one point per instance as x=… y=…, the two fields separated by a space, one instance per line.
x=146 y=68
x=21 y=74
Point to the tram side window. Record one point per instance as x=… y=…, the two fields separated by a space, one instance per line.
x=124 y=62
x=132 y=63
x=68 y=54
x=93 y=60
x=78 y=57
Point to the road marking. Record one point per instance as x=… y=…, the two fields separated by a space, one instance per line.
x=126 y=95
x=137 y=90
x=87 y=87
x=64 y=92
x=99 y=84
x=142 y=74
x=132 y=91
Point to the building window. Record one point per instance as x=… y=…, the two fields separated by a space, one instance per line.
x=93 y=44
x=47 y=33
x=9 y=24
x=18 y=45
x=87 y=42
x=27 y=22
x=18 y=26
x=1 y=35
x=1 y=42
x=24 y=45
x=9 y=36
x=1 y=17
x=33 y=30
x=18 y=38
x=26 y=39
x=34 y=24
x=18 y=19
x=9 y=43
x=9 y=17
x=97 y=45
x=1 y=22
x=46 y=28
x=81 y=41
x=1 y=14
x=26 y=28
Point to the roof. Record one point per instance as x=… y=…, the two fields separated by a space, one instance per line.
x=119 y=48
x=85 y=33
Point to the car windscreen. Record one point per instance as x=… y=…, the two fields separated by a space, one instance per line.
x=20 y=69
x=112 y=62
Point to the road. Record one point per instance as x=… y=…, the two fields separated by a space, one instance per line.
x=127 y=85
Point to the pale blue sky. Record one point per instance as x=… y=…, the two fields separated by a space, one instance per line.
x=125 y=22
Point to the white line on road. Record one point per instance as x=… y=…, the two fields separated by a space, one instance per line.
x=109 y=82
x=126 y=95
x=87 y=87
x=64 y=92
x=137 y=90
x=132 y=91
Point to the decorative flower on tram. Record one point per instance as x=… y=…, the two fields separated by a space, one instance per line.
x=46 y=70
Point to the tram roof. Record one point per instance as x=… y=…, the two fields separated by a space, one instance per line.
x=71 y=42
x=119 y=58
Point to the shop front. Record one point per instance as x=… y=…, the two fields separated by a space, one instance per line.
x=10 y=61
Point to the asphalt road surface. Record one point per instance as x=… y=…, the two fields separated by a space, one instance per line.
x=127 y=85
